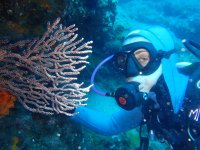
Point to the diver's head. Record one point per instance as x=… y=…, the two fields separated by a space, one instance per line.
x=143 y=50
x=142 y=54
x=137 y=57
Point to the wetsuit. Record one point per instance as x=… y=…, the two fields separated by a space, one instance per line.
x=181 y=129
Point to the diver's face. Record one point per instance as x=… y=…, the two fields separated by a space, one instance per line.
x=146 y=81
x=142 y=56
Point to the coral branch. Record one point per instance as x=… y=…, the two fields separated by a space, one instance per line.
x=43 y=76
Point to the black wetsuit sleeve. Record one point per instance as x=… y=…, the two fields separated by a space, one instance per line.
x=192 y=102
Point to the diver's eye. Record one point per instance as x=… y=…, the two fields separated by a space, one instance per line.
x=142 y=60
x=142 y=56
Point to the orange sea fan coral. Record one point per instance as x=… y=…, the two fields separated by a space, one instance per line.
x=6 y=102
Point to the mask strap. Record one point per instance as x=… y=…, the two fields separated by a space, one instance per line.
x=165 y=54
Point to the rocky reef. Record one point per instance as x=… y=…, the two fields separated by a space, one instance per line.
x=22 y=19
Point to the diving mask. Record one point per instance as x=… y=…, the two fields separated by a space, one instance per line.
x=137 y=58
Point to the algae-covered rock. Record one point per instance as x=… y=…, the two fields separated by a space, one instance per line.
x=21 y=18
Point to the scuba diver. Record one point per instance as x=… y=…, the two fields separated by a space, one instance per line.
x=159 y=93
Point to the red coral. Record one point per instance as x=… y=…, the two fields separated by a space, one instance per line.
x=6 y=102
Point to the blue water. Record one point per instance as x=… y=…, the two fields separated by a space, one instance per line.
x=24 y=130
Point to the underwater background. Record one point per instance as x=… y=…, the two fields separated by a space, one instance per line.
x=105 y=22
